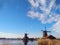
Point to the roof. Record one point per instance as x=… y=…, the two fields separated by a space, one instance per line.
x=51 y=37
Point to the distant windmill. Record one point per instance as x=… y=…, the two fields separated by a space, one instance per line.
x=26 y=39
x=45 y=35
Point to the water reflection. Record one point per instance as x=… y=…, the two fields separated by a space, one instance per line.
x=26 y=39
x=16 y=42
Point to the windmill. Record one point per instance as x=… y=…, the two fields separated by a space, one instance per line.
x=45 y=35
x=26 y=39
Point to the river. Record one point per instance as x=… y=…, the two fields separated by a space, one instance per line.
x=16 y=42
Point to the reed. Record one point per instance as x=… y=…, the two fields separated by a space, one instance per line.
x=48 y=42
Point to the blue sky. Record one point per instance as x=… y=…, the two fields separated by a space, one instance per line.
x=16 y=17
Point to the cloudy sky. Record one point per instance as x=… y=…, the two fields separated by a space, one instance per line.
x=29 y=16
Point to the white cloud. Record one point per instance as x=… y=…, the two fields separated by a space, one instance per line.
x=48 y=16
x=56 y=27
x=42 y=2
x=33 y=3
x=10 y=35
x=52 y=3
x=49 y=12
x=33 y=14
x=46 y=10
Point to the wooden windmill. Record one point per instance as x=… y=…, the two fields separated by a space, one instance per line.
x=45 y=35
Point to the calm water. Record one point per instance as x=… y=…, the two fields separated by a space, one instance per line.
x=16 y=42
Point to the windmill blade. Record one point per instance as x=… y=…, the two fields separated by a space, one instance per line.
x=48 y=31
x=42 y=30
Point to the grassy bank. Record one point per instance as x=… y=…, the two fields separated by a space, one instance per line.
x=48 y=42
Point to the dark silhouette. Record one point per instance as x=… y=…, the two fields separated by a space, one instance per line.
x=45 y=35
x=25 y=39
x=51 y=37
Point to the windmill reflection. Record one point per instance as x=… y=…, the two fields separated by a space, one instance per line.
x=26 y=39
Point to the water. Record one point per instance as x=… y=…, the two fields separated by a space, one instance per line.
x=16 y=42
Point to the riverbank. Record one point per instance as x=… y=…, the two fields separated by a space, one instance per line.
x=48 y=42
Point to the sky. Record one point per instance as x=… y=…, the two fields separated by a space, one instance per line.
x=29 y=16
